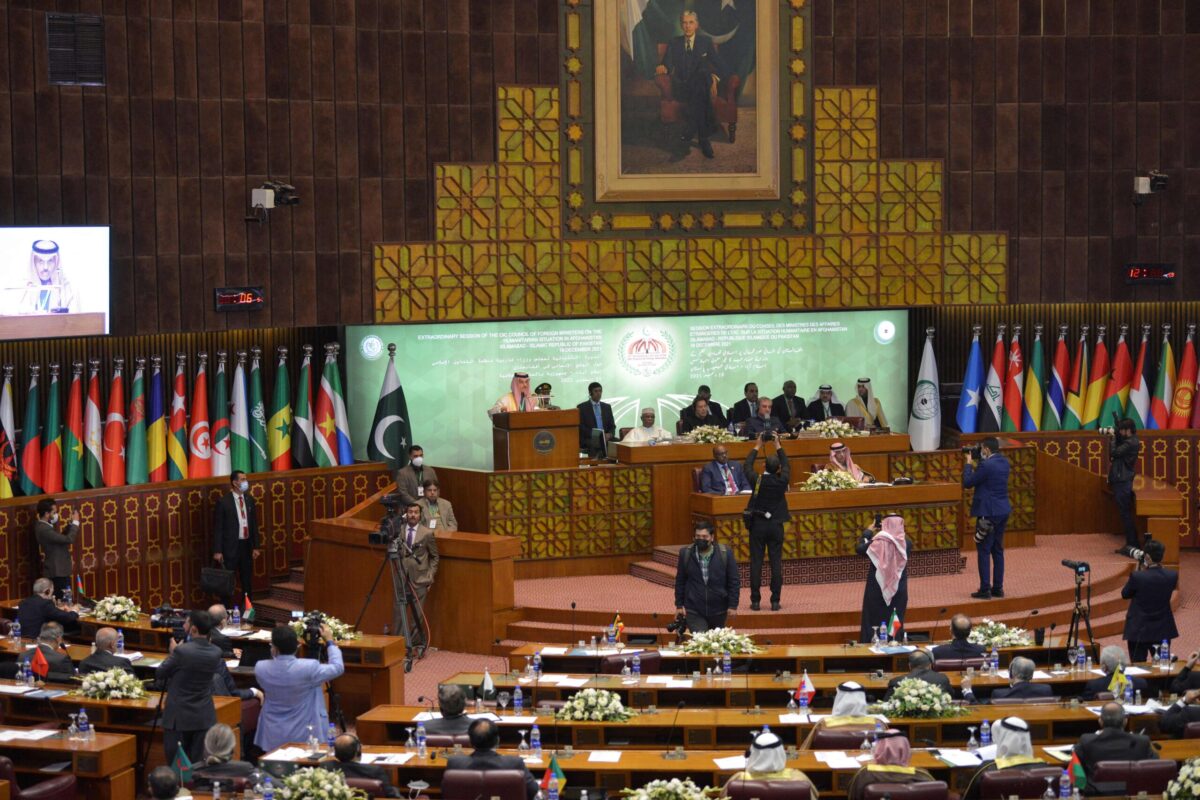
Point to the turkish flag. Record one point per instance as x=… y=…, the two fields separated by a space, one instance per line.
x=39 y=664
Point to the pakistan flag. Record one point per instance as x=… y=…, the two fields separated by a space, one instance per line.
x=645 y=24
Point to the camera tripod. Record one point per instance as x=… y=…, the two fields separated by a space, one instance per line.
x=404 y=598
x=1082 y=613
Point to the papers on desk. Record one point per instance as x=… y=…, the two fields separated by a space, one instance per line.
x=523 y=719
x=731 y=762
x=554 y=651
x=1060 y=752
x=482 y=715
x=793 y=719
x=898 y=650
x=260 y=635
x=393 y=759
x=680 y=683
x=1150 y=707
x=1038 y=674
x=287 y=754
x=666 y=653
x=232 y=662
x=571 y=683
x=836 y=759
x=659 y=679
x=131 y=655
x=532 y=759
x=604 y=756
x=235 y=633
x=46 y=694
x=25 y=736
x=959 y=758
x=1132 y=670
x=987 y=753
x=425 y=716
x=9 y=688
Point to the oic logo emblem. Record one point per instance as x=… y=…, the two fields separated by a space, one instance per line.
x=925 y=400
x=646 y=351
x=544 y=442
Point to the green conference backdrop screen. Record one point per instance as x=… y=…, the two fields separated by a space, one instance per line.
x=453 y=373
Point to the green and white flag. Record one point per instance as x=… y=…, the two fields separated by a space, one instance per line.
x=925 y=420
x=136 y=469
x=302 y=422
x=390 y=431
x=258 y=415
x=239 y=419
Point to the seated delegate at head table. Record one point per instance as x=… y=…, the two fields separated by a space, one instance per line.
x=595 y=414
x=1112 y=658
x=485 y=738
x=704 y=393
x=1020 y=684
x=840 y=460
x=788 y=408
x=648 y=431
x=722 y=476
x=762 y=421
x=701 y=413
x=744 y=409
x=959 y=647
x=824 y=405
x=865 y=405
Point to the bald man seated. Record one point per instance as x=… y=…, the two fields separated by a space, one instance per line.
x=104 y=659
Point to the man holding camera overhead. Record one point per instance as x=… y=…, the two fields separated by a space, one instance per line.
x=765 y=515
x=1123 y=450
x=1149 y=619
x=294 y=689
x=991 y=508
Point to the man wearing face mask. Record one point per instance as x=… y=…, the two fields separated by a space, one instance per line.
x=235 y=532
x=765 y=515
x=55 y=544
x=706 y=581
x=410 y=479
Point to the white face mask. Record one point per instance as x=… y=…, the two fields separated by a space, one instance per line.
x=418 y=461
x=54 y=518
x=244 y=486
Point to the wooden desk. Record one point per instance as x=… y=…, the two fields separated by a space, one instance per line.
x=714 y=729
x=35 y=326
x=103 y=767
x=1158 y=506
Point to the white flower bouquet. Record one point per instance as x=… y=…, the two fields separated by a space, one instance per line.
x=1186 y=785
x=989 y=632
x=315 y=783
x=116 y=608
x=916 y=698
x=833 y=429
x=717 y=641
x=340 y=630
x=711 y=434
x=594 y=705
x=674 y=789
x=828 y=480
x=112 y=684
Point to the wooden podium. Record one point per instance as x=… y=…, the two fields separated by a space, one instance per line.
x=535 y=440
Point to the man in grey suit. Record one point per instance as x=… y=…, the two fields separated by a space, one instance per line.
x=187 y=677
x=103 y=659
x=485 y=737
x=410 y=479
x=436 y=511
x=55 y=543
x=451 y=702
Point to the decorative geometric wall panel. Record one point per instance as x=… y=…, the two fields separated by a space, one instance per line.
x=846 y=124
x=150 y=541
x=573 y=513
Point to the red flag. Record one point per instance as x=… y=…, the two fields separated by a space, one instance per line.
x=199 y=439
x=990 y=416
x=1014 y=385
x=1185 y=385
x=38 y=663
x=114 y=430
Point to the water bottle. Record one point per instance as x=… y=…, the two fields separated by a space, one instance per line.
x=1087 y=664
x=268 y=792
x=235 y=619
x=765 y=729
x=81 y=722
x=478 y=704
x=552 y=790
x=120 y=642
x=535 y=740
x=30 y=678
x=985 y=734
x=637 y=668
x=216 y=790
x=422 y=750
x=883 y=633
x=1164 y=655
x=878 y=729
x=803 y=693
x=518 y=698
x=15 y=632
x=727 y=666
x=67 y=595
x=583 y=795
x=330 y=738
x=1064 y=785
x=1082 y=657
x=1137 y=698
x=1128 y=692
x=995 y=659
x=537 y=666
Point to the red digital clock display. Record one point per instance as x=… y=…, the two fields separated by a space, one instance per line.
x=240 y=298
x=1150 y=273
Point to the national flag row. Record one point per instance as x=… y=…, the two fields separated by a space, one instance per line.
x=147 y=441
x=1019 y=390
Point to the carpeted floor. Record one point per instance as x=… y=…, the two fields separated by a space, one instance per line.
x=640 y=595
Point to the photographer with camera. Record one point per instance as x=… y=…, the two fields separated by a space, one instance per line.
x=293 y=688
x=1150 y=618
x=1123 y=450
x=765 y=515
x=706 y=584
x=991 y=508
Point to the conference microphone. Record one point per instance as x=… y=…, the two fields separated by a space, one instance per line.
x=933 y=636
x=427 y=701
x=573 y=639
x=750 y=709
x=671 y=733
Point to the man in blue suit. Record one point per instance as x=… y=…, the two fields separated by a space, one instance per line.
x=722 y=477
x=990 y=481
x=1150 y=619
x=594 y=414
x=292 y=686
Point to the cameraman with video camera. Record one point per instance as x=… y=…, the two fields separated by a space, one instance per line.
x=706 y=584
x=293 y=687
x=991 y=508
x=1123 y=450
x=1150 y=619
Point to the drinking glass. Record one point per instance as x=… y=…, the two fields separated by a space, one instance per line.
x=502 y=699
x=523 y=747
x=73 y=730
x=1049 y=794
x=528 y=665
x=314 y=744
x=972 y=742
x=626 y=672
x=410 y=744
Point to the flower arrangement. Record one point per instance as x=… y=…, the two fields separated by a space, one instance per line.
x=673 y=789
x=116 y=608
x=595 y=705
x=711 y=434
x=340 y=630
x=315 y=783
x=916 y=698
x=112 y=684
x=1186 y=785
x=833 y=429
x=828 y=480
x=716 y=641
x=989 y=632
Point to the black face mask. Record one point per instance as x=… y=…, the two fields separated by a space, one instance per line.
x=703 y=545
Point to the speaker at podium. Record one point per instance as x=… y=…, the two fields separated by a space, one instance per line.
x=535 y=440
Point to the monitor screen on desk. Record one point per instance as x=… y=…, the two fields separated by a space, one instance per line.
x=54 y=281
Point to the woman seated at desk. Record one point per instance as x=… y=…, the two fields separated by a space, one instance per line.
x=890 y=755
x=840 y=460
x=767 y=761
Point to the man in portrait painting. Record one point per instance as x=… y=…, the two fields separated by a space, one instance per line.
x=695 y=69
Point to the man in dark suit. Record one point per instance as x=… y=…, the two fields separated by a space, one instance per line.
x=762 y=421
x=347 y=750
x=719 y=476
x=765 y=515
x=1020 y=683
x=50 y=643
x=1112 y=658
x=55 y=544
x=701 y=412
x=707 y=581
x=823 y=406
x=103 y=659
x=419 y=559
x=787 y=408
x=695 y=69
x=220 y=616
x=920 y=667
x=990 y=481
x=595 y=414
x=1150 y=619
x=1183 y=711
x=452 y=701
x=959 y=647
x=40 y=608
x=235 y=531
x=410 y=479
x=1110 y=743
x=1123 y=450
x=187 y=677
x=485 y=736
x=744 y=409
x=1188 y=678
